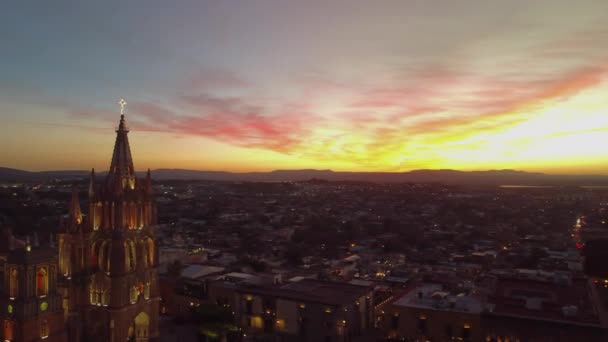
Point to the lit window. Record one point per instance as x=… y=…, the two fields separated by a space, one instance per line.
x=147 y=291
x=14 y=284
x=280 y=324
x=256 y=322
x=8 y=330
x=42 y=282
x=133 y=294
x=44 y=329
x=93 y=295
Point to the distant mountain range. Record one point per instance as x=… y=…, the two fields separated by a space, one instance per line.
x=491 y=177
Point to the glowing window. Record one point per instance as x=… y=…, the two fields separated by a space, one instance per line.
x=256 y=322
x=8 y=330
x=42 y=282
x=44 y=329
x=134 y=294
x=14 y=284
x=280 y=324
x=151 y=252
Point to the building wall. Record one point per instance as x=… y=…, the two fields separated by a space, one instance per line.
x=497 y=326
x=303 y=320
x=287 y=312
x=440 y=325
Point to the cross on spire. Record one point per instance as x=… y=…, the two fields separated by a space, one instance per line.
x=123 y=103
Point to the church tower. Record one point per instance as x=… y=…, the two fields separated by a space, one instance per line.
x=109 y=258
x=30 y=305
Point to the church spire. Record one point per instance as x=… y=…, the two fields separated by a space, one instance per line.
x=122 y=162
x=122 y=172
x=75 y=213
x=148 y=183
x=92 y=184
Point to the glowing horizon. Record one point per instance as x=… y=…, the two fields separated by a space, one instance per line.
x=398 y=87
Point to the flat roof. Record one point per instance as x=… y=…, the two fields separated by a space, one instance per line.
x=433 y=297
x=197 y=271
x=316 y=291
x=544 y=300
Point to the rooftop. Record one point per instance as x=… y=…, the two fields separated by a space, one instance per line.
x=197 y=271
x=316 y=291
x=544 y=300
x=433 y=296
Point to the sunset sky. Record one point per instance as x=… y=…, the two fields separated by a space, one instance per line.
x=344 y=85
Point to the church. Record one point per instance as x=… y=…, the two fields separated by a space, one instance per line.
x=100 y=281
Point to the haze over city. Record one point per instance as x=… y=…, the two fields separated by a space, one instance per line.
x=341 y=85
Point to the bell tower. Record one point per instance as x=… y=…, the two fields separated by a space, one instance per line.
x=116 y=295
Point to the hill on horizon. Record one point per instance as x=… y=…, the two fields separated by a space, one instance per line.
x=489 y=177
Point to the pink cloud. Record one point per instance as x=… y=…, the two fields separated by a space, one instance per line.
x=230 y=120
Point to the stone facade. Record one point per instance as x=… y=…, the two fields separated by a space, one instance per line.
x=108 y=259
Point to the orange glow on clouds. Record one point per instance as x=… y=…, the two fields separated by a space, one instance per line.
x=559 y=128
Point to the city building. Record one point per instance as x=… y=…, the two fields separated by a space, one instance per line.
x=543 y=310
x=431 y=312
x=306 y=310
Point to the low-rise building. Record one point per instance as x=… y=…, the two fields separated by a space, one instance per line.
x=542 y=310
x=430 y=312
x=307 y=310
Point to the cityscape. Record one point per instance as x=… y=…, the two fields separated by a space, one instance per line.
x=469 y=203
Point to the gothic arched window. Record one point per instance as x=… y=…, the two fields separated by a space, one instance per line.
x=42 y=282
x=150 y=252
x=142 y=323
x=44 y=329
x=127 y=257
x=14 y=284
x=104 y=256
x=93 y=297
x=8 y=330
x=95 y=254
x=147 y=291
x=106 y=298
x=132 y=254
x=133 y=294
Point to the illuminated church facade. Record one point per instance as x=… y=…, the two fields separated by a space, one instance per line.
x=108 y=259
x=100 y=283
